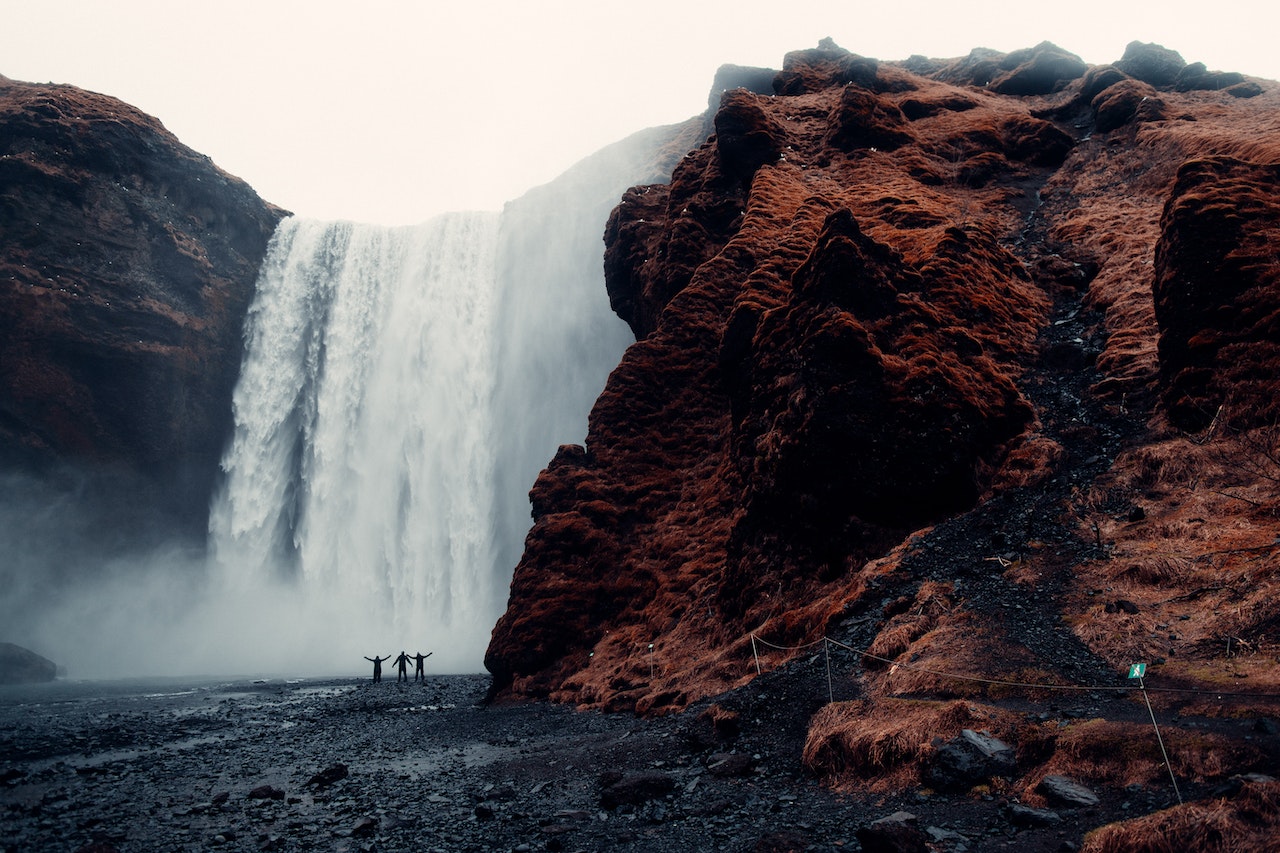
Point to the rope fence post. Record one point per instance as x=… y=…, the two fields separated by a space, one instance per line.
x=1137 y=671
x=826 y=650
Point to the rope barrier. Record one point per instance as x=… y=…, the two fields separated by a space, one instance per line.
x=992 y=681
x=828 y=643
x=1159 y=739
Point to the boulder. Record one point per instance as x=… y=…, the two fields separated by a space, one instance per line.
x=1038 y=71
x=1066 y=792
x=969 y=759
x=1151 y=63
x=1025 y=816
x=895 y=833
x=328 y=776
x=634 y=788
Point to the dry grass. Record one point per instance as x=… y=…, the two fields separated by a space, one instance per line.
x=1246 y=823
x=880 y=746
x=919 y=617
x=1123 y=753
x=1201 y=565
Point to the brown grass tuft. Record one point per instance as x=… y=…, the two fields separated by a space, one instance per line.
x=878 y=744
x=1247 y=823
x=1120 y=753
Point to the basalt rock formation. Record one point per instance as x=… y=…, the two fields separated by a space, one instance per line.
x=967 y=367
x=127 y=267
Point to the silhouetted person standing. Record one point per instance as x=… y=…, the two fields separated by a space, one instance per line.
x=417 y=668
x=402 y=667
x=377 y=666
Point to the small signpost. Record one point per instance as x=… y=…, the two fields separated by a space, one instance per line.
x=1138 y=670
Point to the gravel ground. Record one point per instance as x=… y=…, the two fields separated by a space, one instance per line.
x=242 y=766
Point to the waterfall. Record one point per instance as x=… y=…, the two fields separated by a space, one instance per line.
x=362 y=462
x=401 y=389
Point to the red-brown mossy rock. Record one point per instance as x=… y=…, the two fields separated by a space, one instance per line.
x=1126 y=102
x=1035 y=141
x=1039 y=70
x=833 y=346
x=863 y=119
x=861 y=409
x=746 y=138
x=1246 y=820
x=1217 y=293
x=924 y=107
x=1098 y=78
x=828 y=65
x=684 y=224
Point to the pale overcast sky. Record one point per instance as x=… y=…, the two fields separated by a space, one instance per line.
x=392 y=111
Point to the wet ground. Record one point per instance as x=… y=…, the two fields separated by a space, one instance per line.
x=345 y=765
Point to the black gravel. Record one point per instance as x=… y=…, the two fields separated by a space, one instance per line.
x=346 y=765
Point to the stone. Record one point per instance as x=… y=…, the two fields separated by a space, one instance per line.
x=636 y=788
x=266 y=792
x=328 y=776
x=729 y=764
x=1025 y=816
x=893 y=834
x=1151 y=63
x=1066 y=792
x=967 y=760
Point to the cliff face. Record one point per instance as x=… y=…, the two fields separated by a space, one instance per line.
x=128 y=263
x=916 y=343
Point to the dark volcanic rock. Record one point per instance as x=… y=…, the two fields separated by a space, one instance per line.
x=1038 y=70
x=1066 y=792
x=969 y=759
x=126 y=265
x=634 y=788
x=23 y=666
x=328 y=776
x=893 y=834
x=1151 y=63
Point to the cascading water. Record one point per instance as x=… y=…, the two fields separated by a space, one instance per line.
x=362 y=463
x=401 y=389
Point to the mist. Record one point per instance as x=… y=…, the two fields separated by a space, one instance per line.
x=402 y=387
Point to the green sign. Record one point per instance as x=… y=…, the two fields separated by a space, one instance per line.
x=1137 y=670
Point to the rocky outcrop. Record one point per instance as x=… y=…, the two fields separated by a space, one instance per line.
x=1217 y=290
x=23 y=666
x=894 y=323
x=126 y=266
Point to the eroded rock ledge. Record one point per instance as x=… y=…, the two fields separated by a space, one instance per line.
x=128 y=267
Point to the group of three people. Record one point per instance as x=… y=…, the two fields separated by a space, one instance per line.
x=402 y=665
